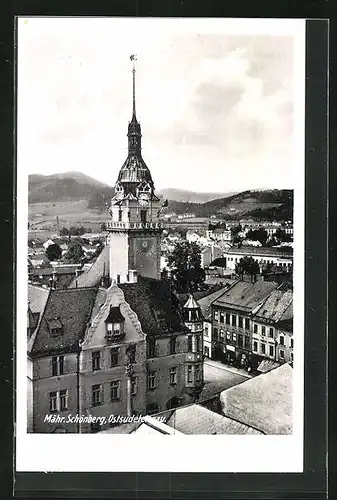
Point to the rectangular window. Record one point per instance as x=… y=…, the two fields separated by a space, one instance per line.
x=64 y=400
x=240 y=340
x=281 y=340
x=271 y=350
x=255 y=346
x=173 y=375
x=247 y=342
x=115 y=390
x=233 y=320
x=53 y=401
x=189 y=343
x=263 y=348
x=215 y=333
x=173 y=342
x=228 y=336
x=263 y=330
x=114 y=353
x=216 y=315
x=143 y=216
x=96 y=395
x=57 y=363
x=292 y=343
x=281 y=354
x=152 y=380
x=240 y=322
x=120 y=215
x=271 y=333
x=152 y=347
x=197 y=373
x=255 y=328
x=134 y=386
x=228 y=319
x=247 y=323
x=189 y=374
x=206 y=351
x=96 y=357
x=234 y=337
x=222 y=317
x=292 y=356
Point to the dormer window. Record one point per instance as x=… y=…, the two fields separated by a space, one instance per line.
x=114 y=324
x=55 y=327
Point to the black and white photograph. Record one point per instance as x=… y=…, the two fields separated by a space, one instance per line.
x=160 y=272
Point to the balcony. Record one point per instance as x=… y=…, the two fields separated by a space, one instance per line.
x=133 y=226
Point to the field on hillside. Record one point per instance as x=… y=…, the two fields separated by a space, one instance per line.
x=42 y=216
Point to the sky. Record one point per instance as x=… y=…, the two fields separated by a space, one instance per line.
x=216 y=100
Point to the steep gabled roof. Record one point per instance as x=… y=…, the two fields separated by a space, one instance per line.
x=156 y=306
x=275 y=306
x=72 y=308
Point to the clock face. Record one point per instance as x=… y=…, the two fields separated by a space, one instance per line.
x=143 y=200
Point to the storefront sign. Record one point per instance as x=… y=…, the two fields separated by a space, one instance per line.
x=230 y=348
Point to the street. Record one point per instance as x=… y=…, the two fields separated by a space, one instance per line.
x=218 y=378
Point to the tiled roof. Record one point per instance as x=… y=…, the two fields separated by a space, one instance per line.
x=93 y=276
x=264 y=401
x=72 y=308
x=205 y=302
x=263 y=251
x=246 y=296
x=275 y=306
x=156 y=306
x=285 y=322
x=196 y=419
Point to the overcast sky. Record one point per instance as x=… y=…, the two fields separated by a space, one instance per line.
x=215 y=101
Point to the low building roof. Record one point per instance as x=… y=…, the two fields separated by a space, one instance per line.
x=37 y=298
x=196 y=419
x=72 y=308
x=245 y=296
x=264 y=401
x=263 y=251
x=156 y=306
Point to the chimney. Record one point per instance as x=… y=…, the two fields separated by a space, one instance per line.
x=133 y=276
x=57 y=226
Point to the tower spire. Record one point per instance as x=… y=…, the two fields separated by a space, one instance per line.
x=133 y=58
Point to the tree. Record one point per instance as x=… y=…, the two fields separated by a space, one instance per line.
x=53 y=252
x=260 y=235
x=247 y=265
x=64 y=231
x=103 y=226
x=185 y=263
x=75 y=252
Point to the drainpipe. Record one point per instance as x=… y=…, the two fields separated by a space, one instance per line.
x=129 y=375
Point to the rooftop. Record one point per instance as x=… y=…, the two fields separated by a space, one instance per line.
x=64 y=305
x=196 y=419
x=245 y=295
x=264 y=402
x=205 y=302
x=275 y=306
x=263 y=251
x=93 y=276
x=157 y=308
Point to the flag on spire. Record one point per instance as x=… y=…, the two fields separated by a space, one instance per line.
x=133 y=57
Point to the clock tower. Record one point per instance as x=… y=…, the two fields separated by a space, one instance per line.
x=134 y=227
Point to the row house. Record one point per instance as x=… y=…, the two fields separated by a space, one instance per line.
x=252 y=322
x=263 y=255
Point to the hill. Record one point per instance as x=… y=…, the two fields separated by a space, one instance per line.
x=264 y=205
x=190 y=196
x=68 y=186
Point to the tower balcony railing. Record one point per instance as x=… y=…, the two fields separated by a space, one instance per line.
x=133 y=225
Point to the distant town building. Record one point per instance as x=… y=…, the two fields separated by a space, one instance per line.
x=263 y=255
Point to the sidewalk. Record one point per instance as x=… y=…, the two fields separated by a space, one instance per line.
x=221 y=366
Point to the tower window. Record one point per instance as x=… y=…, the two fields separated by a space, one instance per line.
x=143 y=216
x=173 y=375
x=173 y=341
x=189 y=343
x=189 y=373
x=120 y=213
